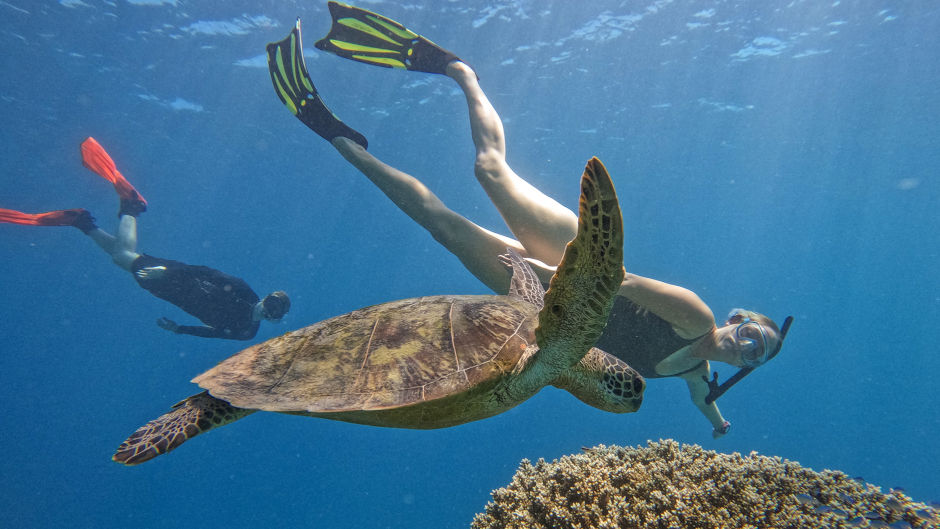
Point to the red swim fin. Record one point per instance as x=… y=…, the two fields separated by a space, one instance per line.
x=79 y=218
x=96 y=158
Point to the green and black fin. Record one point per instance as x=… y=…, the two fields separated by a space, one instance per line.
x=368 y=37
x=293 y=86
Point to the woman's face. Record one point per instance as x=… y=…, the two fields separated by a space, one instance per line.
x=742 y=344
x=728 y=347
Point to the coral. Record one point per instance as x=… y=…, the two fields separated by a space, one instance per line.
x=665 y=485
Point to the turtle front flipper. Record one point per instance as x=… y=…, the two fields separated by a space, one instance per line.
x=581 y=293
x=189 y=418
x=605 y=382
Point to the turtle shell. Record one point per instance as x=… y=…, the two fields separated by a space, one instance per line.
x=392 y=355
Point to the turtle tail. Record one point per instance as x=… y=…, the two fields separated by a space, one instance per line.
x=189 y=418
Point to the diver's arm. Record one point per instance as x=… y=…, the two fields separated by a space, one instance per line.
x=681 y=307
x=195 y=330
x=202 y=331
x=698 y=390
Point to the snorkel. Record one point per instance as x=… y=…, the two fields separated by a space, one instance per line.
x=715 y=390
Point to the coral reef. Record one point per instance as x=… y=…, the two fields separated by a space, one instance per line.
x=665 y=485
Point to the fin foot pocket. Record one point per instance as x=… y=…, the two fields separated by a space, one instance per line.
x=131 y=207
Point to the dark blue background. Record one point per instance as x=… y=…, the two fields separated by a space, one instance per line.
x=779 y=156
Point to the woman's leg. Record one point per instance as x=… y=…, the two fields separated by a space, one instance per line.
x=542 y=225
x=477 y=248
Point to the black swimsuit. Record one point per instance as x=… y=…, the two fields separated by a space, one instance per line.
x=223 y=302
x=640 y=338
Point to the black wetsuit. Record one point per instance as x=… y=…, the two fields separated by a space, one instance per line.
x=640 y=338
x=223 y=302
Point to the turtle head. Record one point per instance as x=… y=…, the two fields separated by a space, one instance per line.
x=605 y=382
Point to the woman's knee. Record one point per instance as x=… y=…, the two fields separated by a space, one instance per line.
x=490 y=166
x=445 y=228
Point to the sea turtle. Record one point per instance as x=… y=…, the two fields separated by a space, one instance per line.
x=436 y=361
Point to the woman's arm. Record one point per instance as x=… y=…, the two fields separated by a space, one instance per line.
x=684 y=310
x=681 y=307
x=698 y=389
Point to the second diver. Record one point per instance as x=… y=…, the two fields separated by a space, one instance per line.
x=226 y=305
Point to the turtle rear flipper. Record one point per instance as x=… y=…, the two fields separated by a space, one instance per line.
x=189 y=418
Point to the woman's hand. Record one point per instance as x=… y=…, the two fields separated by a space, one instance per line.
x=718 y=432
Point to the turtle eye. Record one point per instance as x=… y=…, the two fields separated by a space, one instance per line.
x=558 y=310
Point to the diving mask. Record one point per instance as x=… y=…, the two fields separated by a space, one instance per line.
x=752 y=342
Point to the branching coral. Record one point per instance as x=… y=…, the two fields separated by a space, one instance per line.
x=665 y=485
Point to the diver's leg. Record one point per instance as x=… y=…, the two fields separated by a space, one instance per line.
x=121 y=248
x=103 y=239
x=542 y=225
x=476 y=247
x=124 y=249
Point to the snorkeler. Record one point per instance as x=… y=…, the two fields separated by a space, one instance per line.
x=227 y=306
x=661 y=330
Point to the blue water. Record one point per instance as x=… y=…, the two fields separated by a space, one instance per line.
x=780 y=156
